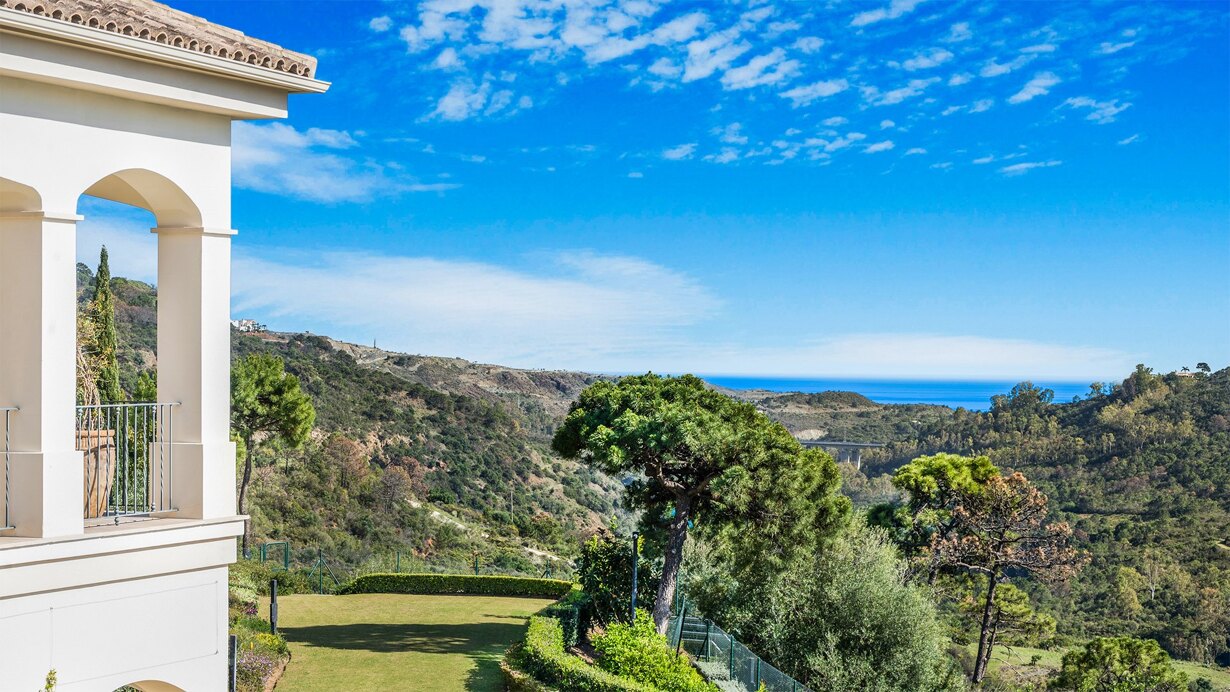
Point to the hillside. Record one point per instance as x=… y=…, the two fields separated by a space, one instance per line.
x=1142 y=472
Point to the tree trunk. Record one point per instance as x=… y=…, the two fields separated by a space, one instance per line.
x=986 y=636
x=243 y=491
x=677 y=534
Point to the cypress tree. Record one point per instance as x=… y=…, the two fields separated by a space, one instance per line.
x=102 y=312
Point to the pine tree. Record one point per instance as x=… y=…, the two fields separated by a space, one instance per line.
x=102 y=314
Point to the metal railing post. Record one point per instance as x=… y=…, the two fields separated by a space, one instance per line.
x=8 y=463
x=636 y=554
x=704 y=649
x=233 y=664
x=731 y=667
x=756 y=681
x=273 y=606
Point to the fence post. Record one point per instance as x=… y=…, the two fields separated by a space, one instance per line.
x=233 y=663
x=635 y=563
x=320 y=564
x=756 y=682
x=399 y=562
x=476 y=564
x=273 y=606
x=731 y=666
x=683 y=617
x=704 y=650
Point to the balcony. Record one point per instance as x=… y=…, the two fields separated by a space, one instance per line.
x=127 y=461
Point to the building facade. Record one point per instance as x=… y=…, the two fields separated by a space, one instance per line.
x=119 y=520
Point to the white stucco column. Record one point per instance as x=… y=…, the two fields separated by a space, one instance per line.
x=38 y=350
x=194 y=366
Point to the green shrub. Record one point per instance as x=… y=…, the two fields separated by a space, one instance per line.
x=572 y=613
x=543 y=657
x=639 y=653
x=605 y=572
x=481 y=585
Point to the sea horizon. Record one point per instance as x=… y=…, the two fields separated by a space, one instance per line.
x=974 y=395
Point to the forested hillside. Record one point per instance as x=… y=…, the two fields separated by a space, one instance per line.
x=1142 y=471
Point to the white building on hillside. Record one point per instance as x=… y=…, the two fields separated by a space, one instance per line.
x=119 y=521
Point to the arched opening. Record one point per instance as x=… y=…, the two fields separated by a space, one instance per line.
x=17 y=197
x=121 y=424
x=150 y=686
x=151 y=191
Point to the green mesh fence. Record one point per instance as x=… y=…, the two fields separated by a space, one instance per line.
x=724 y=661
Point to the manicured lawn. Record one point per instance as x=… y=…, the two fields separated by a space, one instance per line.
x=399 y=642
x=1020 y=656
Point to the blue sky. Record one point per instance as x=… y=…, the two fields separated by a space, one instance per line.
x=882 y=189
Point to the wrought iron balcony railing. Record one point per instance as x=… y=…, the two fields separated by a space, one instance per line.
x=7 y=412
x=127 y=460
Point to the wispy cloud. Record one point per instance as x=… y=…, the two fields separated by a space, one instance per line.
x=570 y=304
x=928 y=59
x=1100 y=112
x=804 y=95
x=994 y=69
x=312 y=165
x=380 y=24
x=1023 y=168
x=895 y=9
x=912 y=88
x=878 y=147
x=1040 y=85
x=683 y=151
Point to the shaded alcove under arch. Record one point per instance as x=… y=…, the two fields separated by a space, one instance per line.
x=139 y=187
x=17 y=197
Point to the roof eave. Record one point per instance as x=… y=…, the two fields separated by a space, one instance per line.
x=91 y=38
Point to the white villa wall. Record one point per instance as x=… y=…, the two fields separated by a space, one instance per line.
x=86 y=111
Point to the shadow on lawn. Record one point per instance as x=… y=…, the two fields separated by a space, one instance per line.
x=483 y=642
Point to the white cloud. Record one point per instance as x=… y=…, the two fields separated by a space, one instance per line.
x=915 y=151
x=831 y=145
x=981 y=105
x=803 y=95
x=636 y=174
x=886 y=98
x=878 y=147
x=959 y=32
x=885 y=124
x=894 y=10
x=665 y=68
x=576 y=303
x=960 y=78
x=1112 y=48
x=712 y=53
x=834 y=121
x=683 y=151
x=770 y=68
x=1100 y=112
x=943 y=165
x=927 y=60
x=910 y=355
x=1022 y=168
x=125 y=232
x=809 y=44
x=726 y=155
x=995 y=69
x=380 y=24
x=1040 y=85
x=984 y=160
x=279 y=159
x=464 y=99
x=447 y=60
x=1129 y=140
x=731 y=134
x=1040 y=48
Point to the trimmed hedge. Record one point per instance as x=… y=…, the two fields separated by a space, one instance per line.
x=543 y=657
x=572 y=613
x=480 y=585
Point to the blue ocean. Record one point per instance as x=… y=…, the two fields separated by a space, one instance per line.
x=975 y=396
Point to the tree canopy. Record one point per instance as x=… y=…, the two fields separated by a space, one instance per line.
x=266 y=400
x=1119 y=664
x=693 y=454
